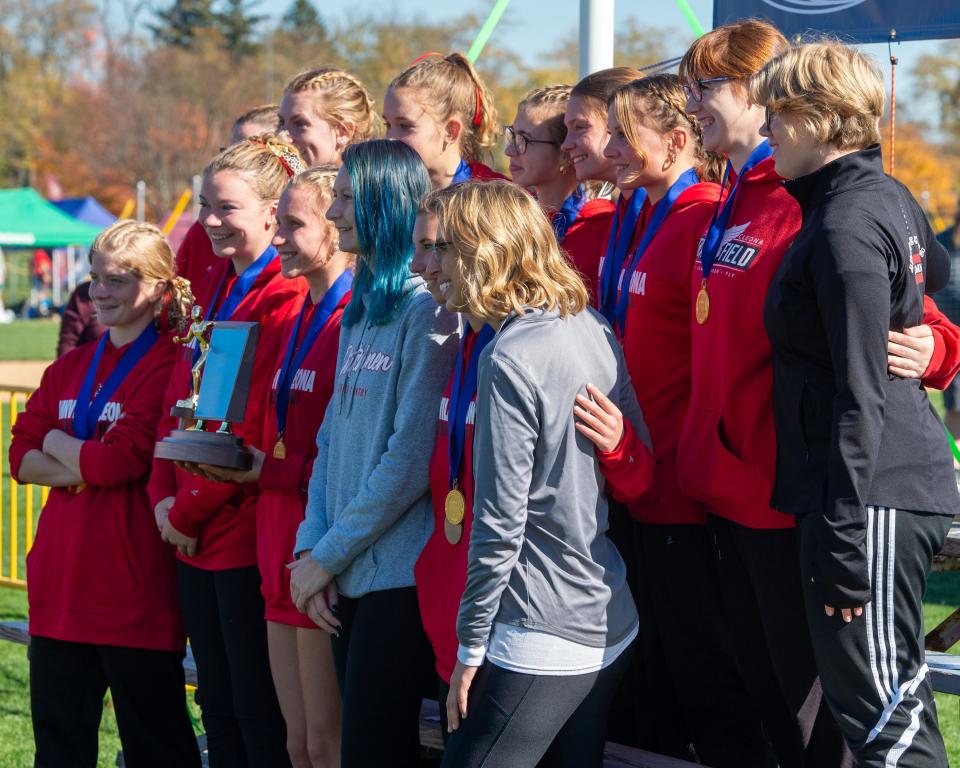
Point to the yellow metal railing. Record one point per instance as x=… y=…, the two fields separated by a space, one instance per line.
x=16 y=530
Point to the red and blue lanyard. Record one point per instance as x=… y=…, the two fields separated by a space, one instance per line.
x=721 y=214
x=563 y=219
x=87 y=412
x=295 y=354
x=462 y=394
x=662 y=208
x=621 y=233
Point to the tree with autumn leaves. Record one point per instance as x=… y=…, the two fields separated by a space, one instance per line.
x=101 y=93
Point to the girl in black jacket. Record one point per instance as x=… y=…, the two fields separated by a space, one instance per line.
x=861 y=457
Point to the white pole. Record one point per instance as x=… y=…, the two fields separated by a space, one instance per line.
x=596 y=35
x=141 y=199
x=196 y=195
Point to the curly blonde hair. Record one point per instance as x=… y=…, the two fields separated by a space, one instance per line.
x=507 y=250
x=343 y=100
x=449 y=86
x=142 y=249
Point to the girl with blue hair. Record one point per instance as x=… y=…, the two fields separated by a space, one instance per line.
x=368 y=510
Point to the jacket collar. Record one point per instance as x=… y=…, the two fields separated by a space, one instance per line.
x=854 y=171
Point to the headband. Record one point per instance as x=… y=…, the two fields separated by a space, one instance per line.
x=290 y=161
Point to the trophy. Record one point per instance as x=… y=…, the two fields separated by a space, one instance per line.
x=220 y=386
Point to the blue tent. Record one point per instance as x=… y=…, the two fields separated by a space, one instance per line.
x=87 y=210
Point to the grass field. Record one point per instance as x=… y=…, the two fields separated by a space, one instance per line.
x=29 y=340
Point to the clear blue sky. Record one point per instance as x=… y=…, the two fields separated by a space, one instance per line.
x=530 y=27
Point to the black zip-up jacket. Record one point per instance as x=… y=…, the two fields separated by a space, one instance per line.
x=850 y=434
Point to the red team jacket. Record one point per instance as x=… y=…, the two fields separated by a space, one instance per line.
x=196 y=260
x=222 y=515
x=283 y=482
x=98 y=571
x=441 y=570
x=656 y=344
x=586 y=239
x=727 y=450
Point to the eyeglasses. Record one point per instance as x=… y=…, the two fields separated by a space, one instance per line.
x=768 y=114
x=520 y=140
x=695 y=88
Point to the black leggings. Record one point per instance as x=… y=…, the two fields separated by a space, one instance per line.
x=523 y=721
x=223 y=611
x=67 y=685
x=384 y=665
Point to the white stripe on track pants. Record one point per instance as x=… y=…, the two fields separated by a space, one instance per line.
x=872 y=670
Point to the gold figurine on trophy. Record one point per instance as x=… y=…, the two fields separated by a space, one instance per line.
x=200 y=331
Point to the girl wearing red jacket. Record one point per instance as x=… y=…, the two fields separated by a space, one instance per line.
x=727 y=449
x=300 y=655
x=656 y=146
x=101 y=585
x=538 y=163
x=213 y=524
x=441 y=108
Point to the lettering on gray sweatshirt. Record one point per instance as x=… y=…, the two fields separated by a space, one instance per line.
x=368 y=510
x=539 y=555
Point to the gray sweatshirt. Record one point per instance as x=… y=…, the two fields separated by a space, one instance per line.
x=539 y=556
x=368 y=511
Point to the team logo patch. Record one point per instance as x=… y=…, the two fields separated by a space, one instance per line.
x=916 y=259
x=738 y=249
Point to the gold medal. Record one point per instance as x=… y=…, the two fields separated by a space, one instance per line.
x=454 y=508
x=703 y=304
x=279 y=449
x=453 y=532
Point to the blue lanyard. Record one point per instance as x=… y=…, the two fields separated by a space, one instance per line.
x=87 y=412
x=620 y=237
x=718 y=224
x=563 y=219
x=462 y=394
x=687 y=179
x=296 y=354
x=238 y=291
x=464 y=173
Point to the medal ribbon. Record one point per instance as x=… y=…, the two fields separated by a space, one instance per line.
x=563 y=219
x=464 y=389
x=463 y=173
x=718 y=224
x=87 y=412
x=238 y=292
x=662 y=208
x=296 y=354
x=620 y=236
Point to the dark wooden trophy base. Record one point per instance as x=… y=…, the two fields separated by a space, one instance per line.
x=199 y=447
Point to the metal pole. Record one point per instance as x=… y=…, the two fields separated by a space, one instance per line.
x=141 y=199
x=596 y=35
x=196 y=195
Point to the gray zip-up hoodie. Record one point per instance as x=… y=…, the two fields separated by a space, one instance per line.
x=368 y=511
x=539 y=556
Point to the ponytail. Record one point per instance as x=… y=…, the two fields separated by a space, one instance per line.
x=448 y=87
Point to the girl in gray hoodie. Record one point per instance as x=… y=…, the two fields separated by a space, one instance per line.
x=546 y=616
x=368 y=509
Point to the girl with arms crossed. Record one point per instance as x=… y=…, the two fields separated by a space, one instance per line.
x=101 y=585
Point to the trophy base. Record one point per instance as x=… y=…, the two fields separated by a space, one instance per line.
x=214 y=448
x=184 y=409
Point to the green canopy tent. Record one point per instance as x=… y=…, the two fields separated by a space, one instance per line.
x=29 y=221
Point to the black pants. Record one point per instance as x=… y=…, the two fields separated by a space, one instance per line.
x=683 y=624
x=873 y=671
x=759 y=578
x=523 y=721
x=67 y=685
x=223 y=611
x=384 y=665
x=646 y=722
